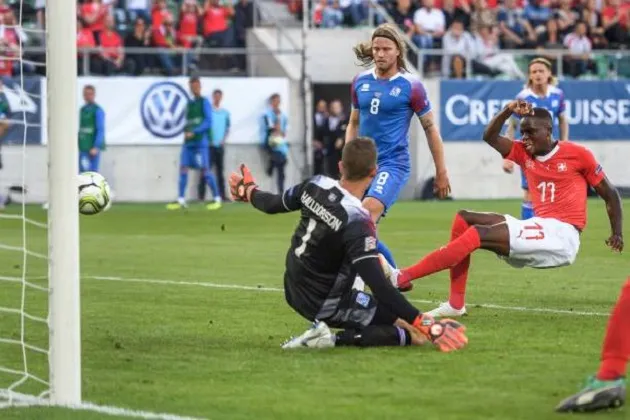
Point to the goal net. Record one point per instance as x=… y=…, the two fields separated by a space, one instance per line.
x=39 y=281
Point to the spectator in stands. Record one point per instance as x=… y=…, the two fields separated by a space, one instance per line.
x=578 y=44
x=616 y=19
x=158 y=13
x=217 y=31
x=140 y=37
x=482 y=16
x=40 y=13
x=85 y=39
x=165 y=37
x=243 y=20
x=138 y=9
x=319 y=128
x=10 y=30
x=355 y=11
x=593 y=19
x=538 y=14
x=566 y=16
x=551 y=38
x=93 y=14
x=429 y=24
x=189 y=15
x=515 y=30
x=403 y=16
x=216 y=24
x=112 y=53
x=9 y=48
x=331 y=14
x=456 y=10
x=489 y=54
x=458 y=44
x=334 y=137
x=274 y=124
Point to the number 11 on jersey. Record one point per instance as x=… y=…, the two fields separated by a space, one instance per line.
x=547 y=190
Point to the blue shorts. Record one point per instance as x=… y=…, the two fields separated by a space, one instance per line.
x=89 y=163
x=197 y=156
x=524 y=181
x=388 y=184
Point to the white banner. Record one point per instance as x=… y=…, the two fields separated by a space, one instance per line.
x=152 y=110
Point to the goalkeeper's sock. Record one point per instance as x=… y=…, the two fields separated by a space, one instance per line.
x=446 y=257
x=212 y=183
x=527 y=210
x=183 y=181
x=616 y=349
x=374 y=336
x=459 y=273
x=382 y=248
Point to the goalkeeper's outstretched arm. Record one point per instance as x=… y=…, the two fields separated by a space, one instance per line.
x=244 y=188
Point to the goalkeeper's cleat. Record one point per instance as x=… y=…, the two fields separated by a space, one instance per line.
x=445 y=310
x=392 y=274
x=318 y=336
x=597 y=395
x=179 y=204
x=215 y=205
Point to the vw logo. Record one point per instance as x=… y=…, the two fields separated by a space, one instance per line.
x=163 y=109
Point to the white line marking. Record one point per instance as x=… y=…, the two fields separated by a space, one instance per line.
x=22 y=400
x=275 y=289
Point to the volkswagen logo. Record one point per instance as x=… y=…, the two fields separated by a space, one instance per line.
x=163 y=109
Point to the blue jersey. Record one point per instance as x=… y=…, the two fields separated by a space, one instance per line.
x=386 y=107
x=553 y=102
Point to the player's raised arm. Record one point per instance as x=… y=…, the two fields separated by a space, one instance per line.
x=352 y=129
x=244 y=188
x=615 y=213
x=492 y=134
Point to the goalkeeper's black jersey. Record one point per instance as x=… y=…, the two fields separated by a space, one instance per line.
x=334 y=231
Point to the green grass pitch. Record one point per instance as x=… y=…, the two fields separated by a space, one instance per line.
x=167 y=325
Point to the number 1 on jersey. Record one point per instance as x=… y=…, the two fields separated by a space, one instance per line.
x=305 y=238
x=374 y=104
x=543 y=187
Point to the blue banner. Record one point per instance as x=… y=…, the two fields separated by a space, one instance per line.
x=597 y=110
x=25 y=110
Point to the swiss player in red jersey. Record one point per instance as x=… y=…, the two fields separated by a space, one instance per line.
x=558 y=174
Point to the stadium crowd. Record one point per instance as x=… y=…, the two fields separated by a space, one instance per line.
x=108 y=27
x=479 y=29
x=449 y=31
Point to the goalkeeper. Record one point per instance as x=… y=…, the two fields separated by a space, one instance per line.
x=334 y=241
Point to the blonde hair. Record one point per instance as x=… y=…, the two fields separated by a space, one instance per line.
x=363 y=50
x=540 y=60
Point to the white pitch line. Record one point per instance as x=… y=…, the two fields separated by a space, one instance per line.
x=276 y=289
x=27 y=401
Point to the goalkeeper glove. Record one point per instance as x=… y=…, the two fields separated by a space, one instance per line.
x=446 y=334
x=239 y=184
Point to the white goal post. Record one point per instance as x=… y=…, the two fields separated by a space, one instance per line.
x=63 y=214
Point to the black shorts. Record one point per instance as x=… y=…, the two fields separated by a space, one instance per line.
x=358 y=310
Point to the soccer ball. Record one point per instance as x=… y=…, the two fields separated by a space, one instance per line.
x=94 y=193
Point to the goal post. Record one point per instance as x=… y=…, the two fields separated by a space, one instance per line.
x=63 y=214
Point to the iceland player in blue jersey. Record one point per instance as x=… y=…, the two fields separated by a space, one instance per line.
x=384 y=99
x=541 y=91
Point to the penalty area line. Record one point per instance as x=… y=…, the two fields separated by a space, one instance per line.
x=276 y=289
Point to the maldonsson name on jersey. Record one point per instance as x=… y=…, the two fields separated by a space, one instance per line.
x=321 y=212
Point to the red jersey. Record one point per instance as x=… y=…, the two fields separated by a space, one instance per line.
x=85 y=38
x=215 y=20
x=558 y=180
x=111 y=43
x=187 y=28
x=94 y=9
